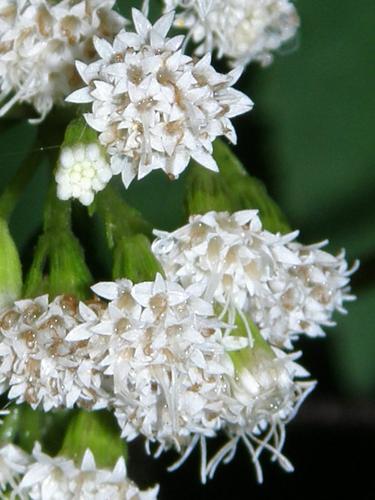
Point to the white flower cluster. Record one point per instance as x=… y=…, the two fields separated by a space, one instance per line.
x=82 y=171
x=156 y=108
x=285 y=287
x=178 y=374
x=167 y=354
x=266 y=393
x=39 y=42
x=39 y=365
x=13 y=463
x=157 y=355
x=241 y=30
x=41 y=477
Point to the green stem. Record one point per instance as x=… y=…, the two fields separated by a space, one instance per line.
x=57 y=213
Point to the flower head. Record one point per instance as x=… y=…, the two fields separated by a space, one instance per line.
x=241 y=30
x=285 y=287
x=37 y=362
x=82 y=171
x=167 y=354
x=156 y=108
x=58 y=477
x=265 y=394
x=13 y=464
x=40 y=41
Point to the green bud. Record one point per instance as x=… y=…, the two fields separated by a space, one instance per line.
x=98 y=432
x=79 y=132
x=133 y=259
x=10 y=267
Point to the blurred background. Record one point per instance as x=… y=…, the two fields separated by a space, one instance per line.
x=310 y=138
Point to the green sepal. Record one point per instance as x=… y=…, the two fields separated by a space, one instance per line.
x=30 y=428
x=68 y=272
x=133 y=259
x=58 y=265
x=206 y=191
x=248 y=192
x=9 y=425
x=230 y=190
x=97 y=431
x=10 y=267
x=78 y=132
x=246 y=357
x=119 y=218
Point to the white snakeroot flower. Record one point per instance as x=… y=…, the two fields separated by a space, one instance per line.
x=13 y=464
x=305 y=296
x=40 y=40
x=286 y=288
x=156 y=108
x=266 y=393
x=37 y=362
x=60 y=478
x=168 y=356
x=241 y=30
x=82 y=171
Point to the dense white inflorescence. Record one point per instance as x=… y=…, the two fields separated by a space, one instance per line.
x=286 y=288
x=41 y=477
x=37 y=363
x=39 y=43
x=168 y=357
x=82 y=171
x=156 y=108
x=13 y=464
x=156 y=354
x=241 y=30
x=266 y=392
